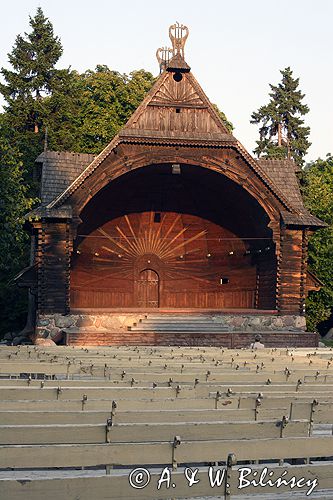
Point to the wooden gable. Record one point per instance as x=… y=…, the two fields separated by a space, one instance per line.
x=177 y=107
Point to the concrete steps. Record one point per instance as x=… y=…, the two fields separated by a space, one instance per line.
x=184 y=329
x=187 y=323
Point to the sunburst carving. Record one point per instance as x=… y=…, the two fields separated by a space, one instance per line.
x=131 y=246
x=173 y=92
x=120 y=246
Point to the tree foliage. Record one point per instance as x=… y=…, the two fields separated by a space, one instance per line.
x=282 y=130
x=318 y=193
x=14 y=204
x=33 y=60
x=105 y=101
x=32 y=89
x=223 y=117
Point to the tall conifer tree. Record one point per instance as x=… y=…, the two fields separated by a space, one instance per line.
x=34 y=89
x=34 y=76
x=282 y=130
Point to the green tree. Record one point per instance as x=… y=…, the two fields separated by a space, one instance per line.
x=36 y=93
x=33 y=60
x=318 y=194
x=14 y=203
x=106 y=99
x=282 y=131
x=223 y=117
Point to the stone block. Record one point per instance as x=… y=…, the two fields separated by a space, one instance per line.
x=300 y=322
x=65 y=321
x=288 y=320
x=278 y=323
x=237 y=321
x=43 y=322
x=42 y=332
x=266 y=321
x=255 y=322
x=44 y=342
x=110 y=322
x=84 y=321
x=56 y=334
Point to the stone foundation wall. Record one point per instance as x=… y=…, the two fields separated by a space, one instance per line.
x=230 y=340
x=53 y=326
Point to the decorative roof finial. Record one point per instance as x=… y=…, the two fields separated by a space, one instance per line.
x=163 y=55
x=178 y=34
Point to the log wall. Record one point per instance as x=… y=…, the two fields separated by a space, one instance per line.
x=54 y=249
x=291 y=271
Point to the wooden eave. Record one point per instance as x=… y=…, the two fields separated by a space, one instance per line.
x=27 y=277
x=41 y=212
x=302 y=219
x=312 y=282
x=145 y=137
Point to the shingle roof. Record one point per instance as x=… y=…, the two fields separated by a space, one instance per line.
x=305 y=219
x=60 y=169
x=283 y=175
x=178 y=63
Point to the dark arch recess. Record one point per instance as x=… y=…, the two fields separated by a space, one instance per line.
x=195 y=191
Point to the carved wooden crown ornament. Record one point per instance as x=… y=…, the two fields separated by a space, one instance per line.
x=178 y=34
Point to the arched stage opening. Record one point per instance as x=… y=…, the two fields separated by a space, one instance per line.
x=162 y=237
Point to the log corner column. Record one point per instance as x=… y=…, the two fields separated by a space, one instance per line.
x=291 y=271
x=54 y=254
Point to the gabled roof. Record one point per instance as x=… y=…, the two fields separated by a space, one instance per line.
x=157 y=121
x=148 y=124
x=166 y=94
x=170 y=95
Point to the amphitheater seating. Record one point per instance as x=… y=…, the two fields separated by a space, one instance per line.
x=74 y=422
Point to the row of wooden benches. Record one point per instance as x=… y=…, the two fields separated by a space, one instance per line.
x=126 y=412
x=137 y=413
x=170 y=454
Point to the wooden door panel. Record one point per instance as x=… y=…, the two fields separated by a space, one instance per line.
x=148 y=289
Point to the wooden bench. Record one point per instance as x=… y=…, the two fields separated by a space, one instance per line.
x=173 y=407
x=173 y=454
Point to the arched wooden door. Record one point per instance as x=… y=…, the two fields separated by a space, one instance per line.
x=148 y=289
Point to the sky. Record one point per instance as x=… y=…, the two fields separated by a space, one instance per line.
x=235 y=48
